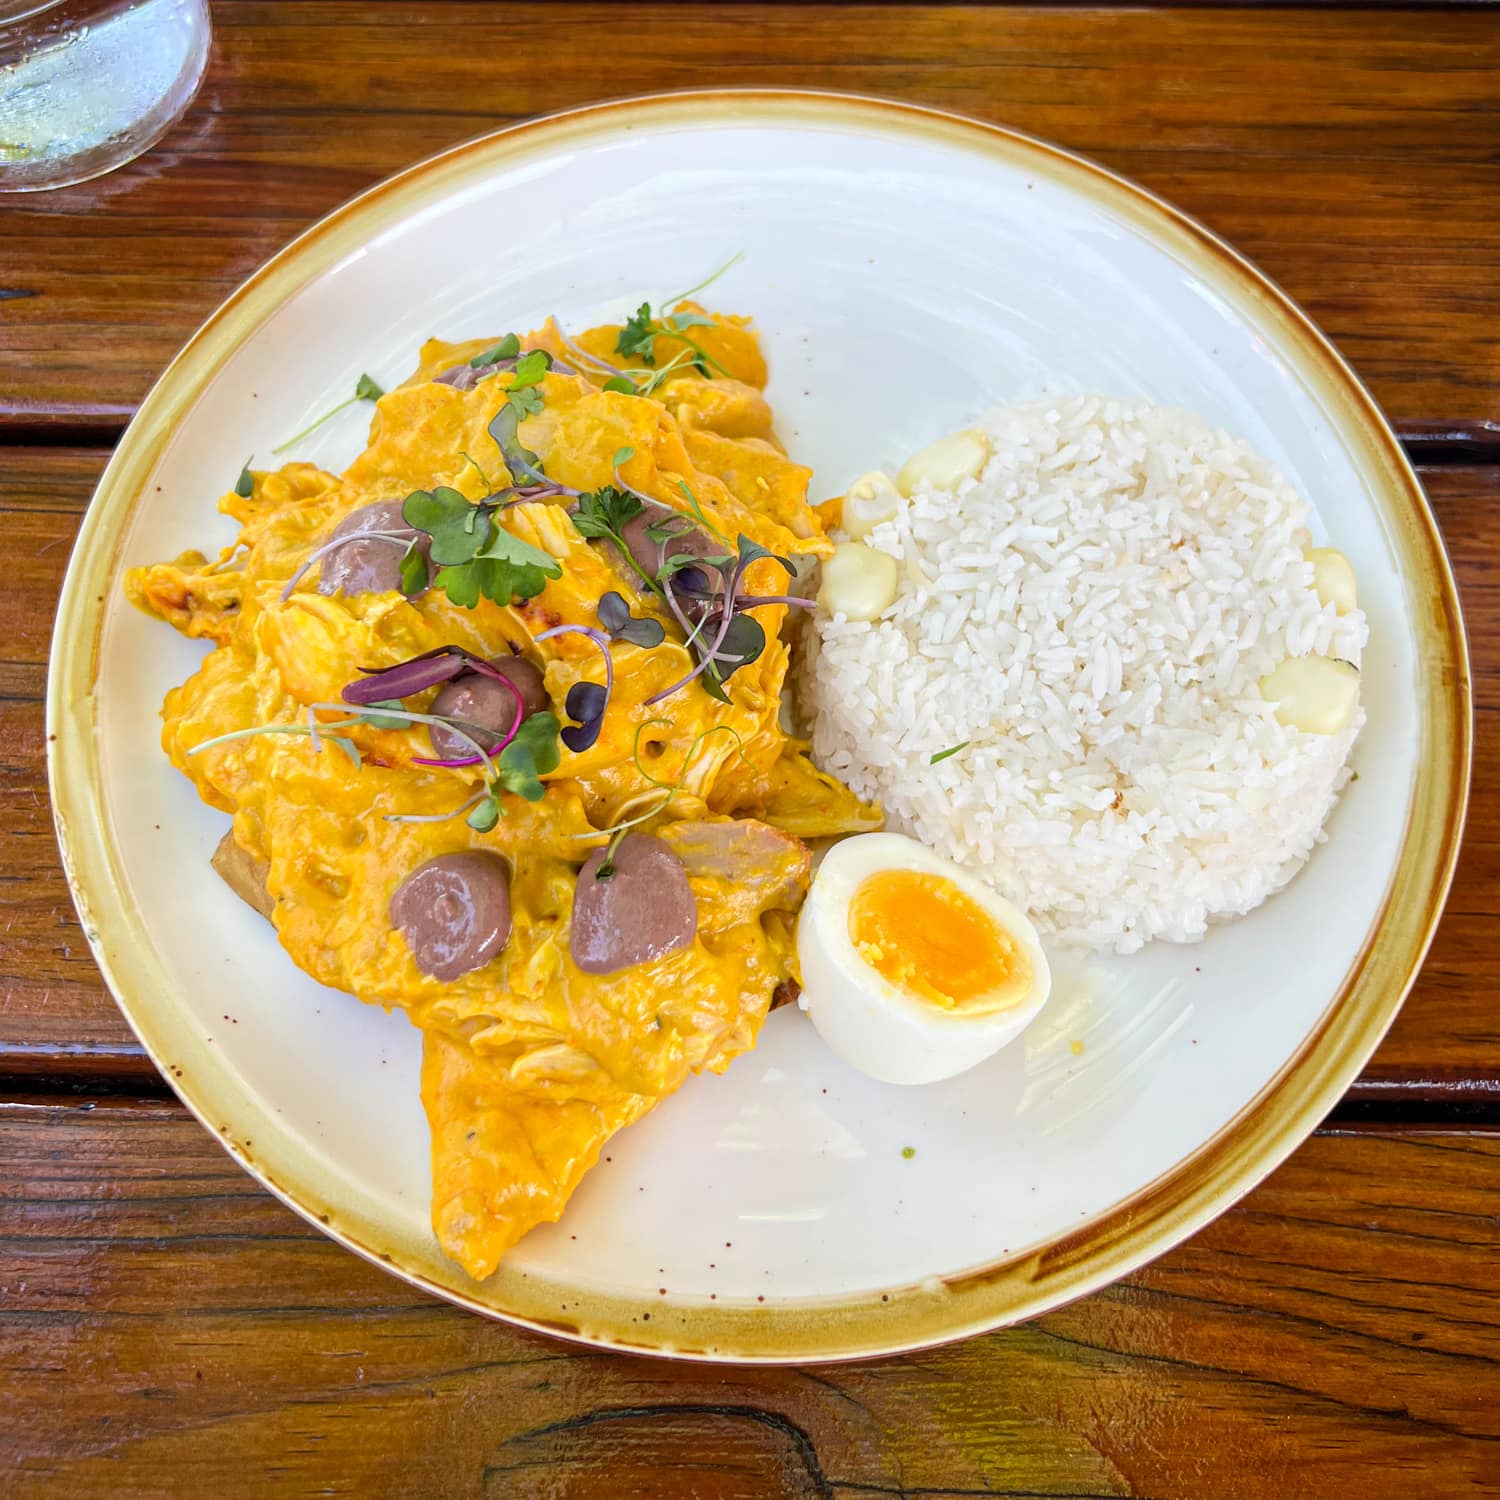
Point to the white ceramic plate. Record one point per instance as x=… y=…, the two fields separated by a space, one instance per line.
x=905 y=269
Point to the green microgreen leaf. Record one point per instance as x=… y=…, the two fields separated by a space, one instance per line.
x=414 y=572
x=622 y=384
x=449 y=518
x=707 y=281
x=244 y=486
x=365 y=389
x=529 y=757
x=508 y=348
x=468 y=459
x=485 y=815
x=530 y=369
x=679 y=322
x=697 y=510
x=387 y=714
x=942 y=755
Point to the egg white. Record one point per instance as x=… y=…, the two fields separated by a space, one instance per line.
x=870 y=1022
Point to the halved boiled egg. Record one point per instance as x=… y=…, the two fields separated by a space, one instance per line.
x=912 y=970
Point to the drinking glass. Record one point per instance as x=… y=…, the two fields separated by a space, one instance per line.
x=87 y=85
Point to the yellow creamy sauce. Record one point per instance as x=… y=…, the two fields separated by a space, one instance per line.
x=530 y=1064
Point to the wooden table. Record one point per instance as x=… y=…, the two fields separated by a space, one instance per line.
x=165 y=1327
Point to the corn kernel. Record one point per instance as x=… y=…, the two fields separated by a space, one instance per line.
x=946 y=464
x=1333 y=578
x=858 y=582
x=1313 y=693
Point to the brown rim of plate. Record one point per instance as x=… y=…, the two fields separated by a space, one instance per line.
x=1022 y=1284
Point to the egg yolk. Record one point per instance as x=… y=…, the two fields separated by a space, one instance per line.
x=924 y=935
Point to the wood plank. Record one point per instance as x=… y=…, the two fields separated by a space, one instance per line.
x=1354 y=154
x=1336 y=1334
x=61 y=1023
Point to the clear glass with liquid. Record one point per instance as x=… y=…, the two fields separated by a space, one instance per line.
x=87 y=85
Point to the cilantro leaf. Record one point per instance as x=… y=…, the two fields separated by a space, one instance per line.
x=604 y=512
x=508 y=348
x=683 y=320
x=525 y=402
x=621 y=383
x=638 y=336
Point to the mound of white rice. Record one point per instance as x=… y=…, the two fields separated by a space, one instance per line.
x=1093 y=615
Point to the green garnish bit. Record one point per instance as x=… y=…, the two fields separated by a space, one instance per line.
x=519 y=769
x=941 y=755
x=508 y=348
x=703 y=520
x=617 y=831
x=475 y=556
x=483 y=477
x=907 y=1152
x=530 y=369
x=639 y=335
x=365 y=389
x=622 y=384
x=604 y=512
x=244 y=486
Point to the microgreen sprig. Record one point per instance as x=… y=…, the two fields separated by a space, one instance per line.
x=639 y=335
x=365 y=389
x=474 y=554
x=586 y=701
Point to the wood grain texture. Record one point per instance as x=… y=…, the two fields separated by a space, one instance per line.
x=165 y=1325
x=57 y=1019
x=1354 y=154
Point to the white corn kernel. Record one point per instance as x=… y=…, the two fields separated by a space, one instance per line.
x=871 y=499
x=1313 y=693
x=858 y=582
x=1333 y=578
x=946 y=464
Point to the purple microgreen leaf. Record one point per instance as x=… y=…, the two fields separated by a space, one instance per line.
x=382 y=684
x=616 y=618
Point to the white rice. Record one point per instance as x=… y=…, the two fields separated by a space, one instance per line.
x=1094 y=614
